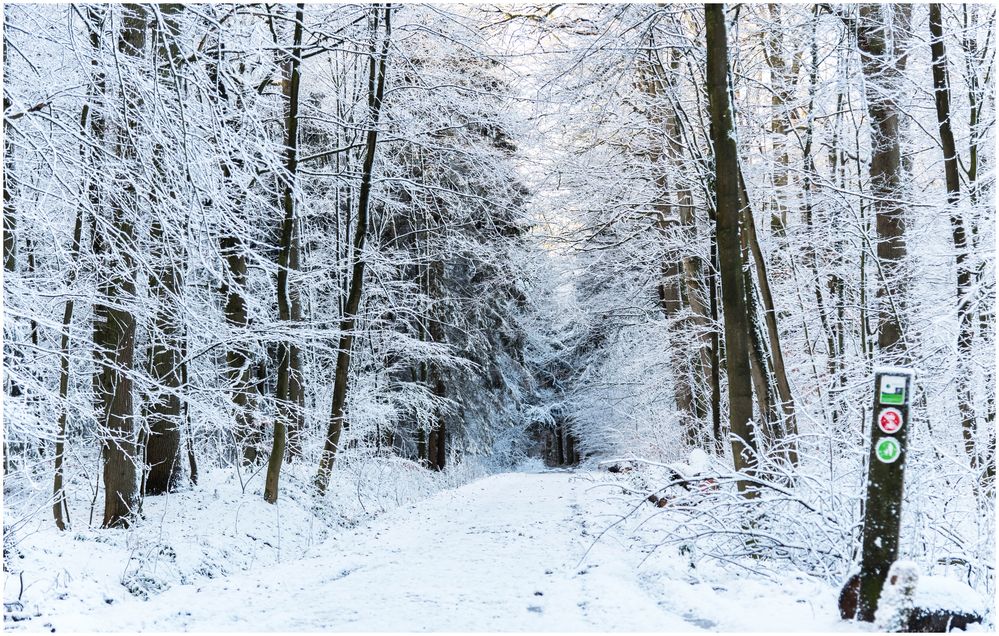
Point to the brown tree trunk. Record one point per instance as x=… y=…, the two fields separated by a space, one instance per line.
x=440 y=458
x=784 y=400
x=114 y=326
x=285 y=406
x=239 y=364
x=881 y=86
x=559 y=445
x=296 y=385
x=435 y=275
x=965 y=318
x=60 y=508
x=740 y=391
x=162 y=449
x=241 y=368
x=715 y=351
x=432 y=448
x=376 y=91
x=782 y=87
x=760 y=363
x=670 y=288
x=421 y=445
x=9 y=213
x=549 y=447
x=693 y=290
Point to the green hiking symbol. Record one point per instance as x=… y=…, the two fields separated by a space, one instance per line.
x=888 y=449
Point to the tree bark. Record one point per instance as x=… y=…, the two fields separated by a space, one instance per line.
x=296 y=384
x=781 y=83
x=760 y=363
x=440 y=458
x=241 y=368
x=114 y=325
x=376 y=92
x=785 y=400
x=9 y=213
x=665 y=142
x=164 y=417
x=60 y=508
x=296 y=387
x=881 y=78
x=740 y=391
x=285 y=406
x=965 y=318
x=435 y=275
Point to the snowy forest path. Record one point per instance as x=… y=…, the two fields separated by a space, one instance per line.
x=504 y=552
x=512 y=552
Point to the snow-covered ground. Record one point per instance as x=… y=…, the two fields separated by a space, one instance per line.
x=511 y=552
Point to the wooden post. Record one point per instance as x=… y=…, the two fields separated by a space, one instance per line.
x=885 y=473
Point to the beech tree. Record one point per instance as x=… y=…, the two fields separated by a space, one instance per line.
x=165 y=357
x=727 y=211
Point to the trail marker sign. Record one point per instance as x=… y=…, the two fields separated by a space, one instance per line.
x=887 y=450
x=893 y=389
x=885 y=481
x=889 y=420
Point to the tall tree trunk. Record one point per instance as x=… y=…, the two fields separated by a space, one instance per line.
x=667 y=221
x=164 y=417
x=296 y=388
x=808 y=250
x=440 y=457
x=882 y=86
x=435 y=327
x=241 y=368
x=376 y=91
x=162 y=449
x=296 y=384
x=9 y=213
x=760 y=363
x=965 y=318
x=239 y=364
x=559 y=443
x=114 y=325
x=785 y=401
x=693 y=293
x=60 y=507
x=782 y=86
x=285 y=407
x=712 y=282
x=740 y=390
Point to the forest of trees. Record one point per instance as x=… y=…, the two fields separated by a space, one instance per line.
x=760 y=207
x=220 y=218
x=258 y=235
